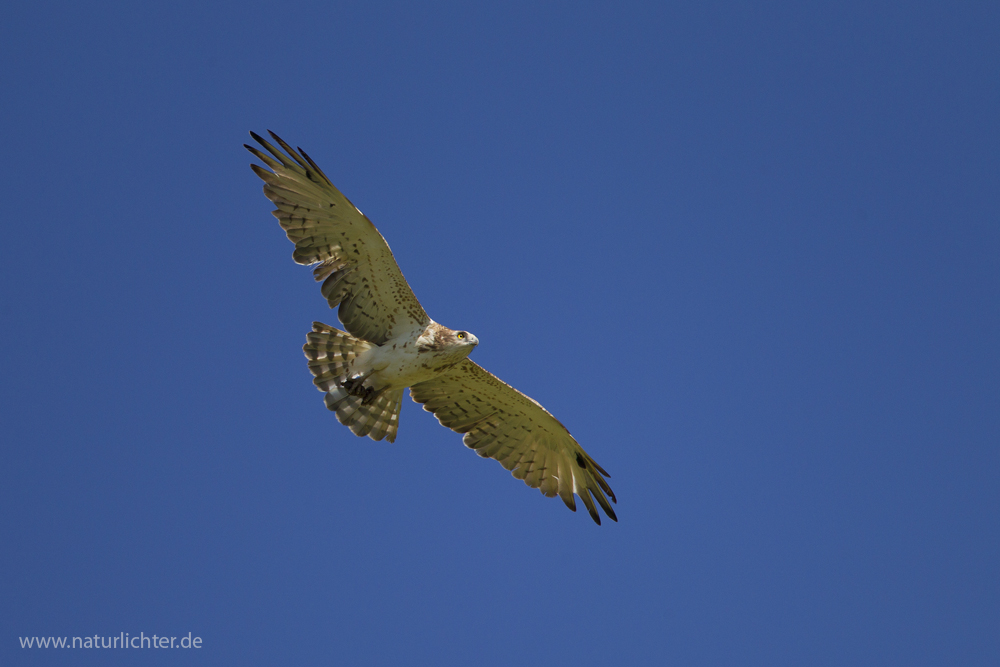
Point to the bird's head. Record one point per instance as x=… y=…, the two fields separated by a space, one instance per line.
x=466 y=339
x=444 y=340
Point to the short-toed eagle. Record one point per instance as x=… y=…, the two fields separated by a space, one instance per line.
x=391 y=344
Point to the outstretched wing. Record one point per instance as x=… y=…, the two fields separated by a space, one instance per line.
x=355 y=264
x=500 y=422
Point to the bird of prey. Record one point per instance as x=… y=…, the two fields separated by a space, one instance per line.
x=391 y=344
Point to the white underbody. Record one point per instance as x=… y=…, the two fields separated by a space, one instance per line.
x=400 y=362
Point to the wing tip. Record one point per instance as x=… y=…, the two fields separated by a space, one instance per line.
x=260 y=171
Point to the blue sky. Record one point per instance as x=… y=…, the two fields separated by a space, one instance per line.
x=746 y=252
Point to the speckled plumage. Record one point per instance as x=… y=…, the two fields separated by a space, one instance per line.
x=391 y=344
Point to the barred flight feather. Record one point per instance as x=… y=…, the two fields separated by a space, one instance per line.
x=528 y=441
x=324 y=225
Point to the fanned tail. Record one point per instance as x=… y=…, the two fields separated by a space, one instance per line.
x=378 y=419
x=330 y=352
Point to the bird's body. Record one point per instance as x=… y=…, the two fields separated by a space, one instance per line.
x=411 y=358
x=391 y=344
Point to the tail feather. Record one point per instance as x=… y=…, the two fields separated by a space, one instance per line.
x=387 y=420
x=330 y=352
x=379 y=419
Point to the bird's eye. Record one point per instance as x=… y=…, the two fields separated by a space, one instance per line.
x=461 y=335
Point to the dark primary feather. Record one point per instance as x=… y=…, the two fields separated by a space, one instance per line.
x=360 y=276
x=501 y=423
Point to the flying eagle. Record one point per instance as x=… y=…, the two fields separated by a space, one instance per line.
x=391 y=344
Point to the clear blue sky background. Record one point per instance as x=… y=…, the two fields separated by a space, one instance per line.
x=747 y=252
